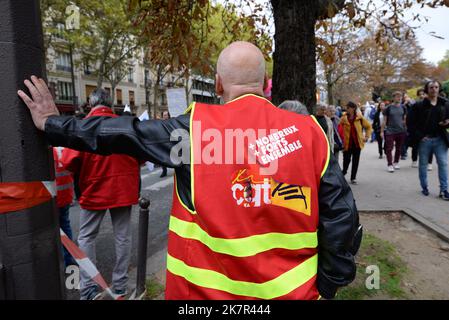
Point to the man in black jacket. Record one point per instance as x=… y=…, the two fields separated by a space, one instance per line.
x=339 y=231
x=430 y=121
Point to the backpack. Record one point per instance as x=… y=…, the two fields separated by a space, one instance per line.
x=372 y=113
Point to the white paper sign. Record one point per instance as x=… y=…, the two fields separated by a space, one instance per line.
x=177 y=102
x=144 y=116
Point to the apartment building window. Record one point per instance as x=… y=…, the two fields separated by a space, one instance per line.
x=163 y=99
x=87 y=69
x=63 y=62
x=59 y=34
x=132 y=101
x=65 y=92
x=147 y=77
x=89 y=90
x=130 y=74
x=119 y=97
x=108 y=90
x=196 y=85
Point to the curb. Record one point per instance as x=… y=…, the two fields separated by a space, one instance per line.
x=440 y=232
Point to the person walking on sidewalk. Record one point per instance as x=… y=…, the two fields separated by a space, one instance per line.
x=325 y=122
x=430 y=119
x=377 y=123
x=106 y=183
x=420 y=93
x=253 y=227
x=356 y=131
x=338 y=142
x=394 y=130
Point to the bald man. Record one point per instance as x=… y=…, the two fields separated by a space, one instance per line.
x=260 y=209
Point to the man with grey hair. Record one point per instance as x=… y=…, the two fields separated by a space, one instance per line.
x=331 y=112
x=325 y=122
x=294 y=106
x=100 y=97
x=106 y=183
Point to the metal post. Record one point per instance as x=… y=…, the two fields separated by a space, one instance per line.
x=2 y=283
x=30 y=246
x=142 y=246
x=72 y=67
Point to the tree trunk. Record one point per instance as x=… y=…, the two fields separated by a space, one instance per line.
x=155 y=99
x=187 y=89
x=294 y=74
x=113 y=86
x=330 y=87
x=100 y=76
x=101 y=70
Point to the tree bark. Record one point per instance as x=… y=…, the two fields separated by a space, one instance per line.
x=113 y=86
x=330 y=87
x=294 y=73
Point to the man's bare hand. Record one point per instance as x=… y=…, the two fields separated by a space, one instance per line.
x=444 y=123
x=41 y=103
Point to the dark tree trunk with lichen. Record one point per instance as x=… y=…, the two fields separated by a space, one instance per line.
x=294 y=73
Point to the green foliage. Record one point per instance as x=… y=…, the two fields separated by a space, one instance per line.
x=222 y=24
x=375 y=251
x=444 y=63
x=446 y=87
x=106 y=37
x=188 y=35
x=154 y=289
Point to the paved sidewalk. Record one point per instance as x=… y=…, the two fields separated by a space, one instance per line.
x=377 y=189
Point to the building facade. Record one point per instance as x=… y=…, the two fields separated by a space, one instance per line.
x=137 y=88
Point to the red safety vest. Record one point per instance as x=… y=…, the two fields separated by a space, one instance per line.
x=252 y=234
x=64 y=180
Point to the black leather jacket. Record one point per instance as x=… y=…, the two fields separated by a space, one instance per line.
x=339 y=234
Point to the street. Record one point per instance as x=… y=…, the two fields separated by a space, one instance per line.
x=159 y=191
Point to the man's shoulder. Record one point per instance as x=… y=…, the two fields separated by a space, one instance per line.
x=444 y=101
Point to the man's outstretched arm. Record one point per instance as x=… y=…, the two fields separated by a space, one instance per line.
x=150 y=140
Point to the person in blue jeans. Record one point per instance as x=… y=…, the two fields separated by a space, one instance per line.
x=431 y=122
x=64 y=222
x=64 y=199
x=437 y=146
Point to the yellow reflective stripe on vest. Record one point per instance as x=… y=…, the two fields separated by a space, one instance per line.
x=244 y=247
x=277 y=287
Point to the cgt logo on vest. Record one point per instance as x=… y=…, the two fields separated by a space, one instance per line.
x=251 y=190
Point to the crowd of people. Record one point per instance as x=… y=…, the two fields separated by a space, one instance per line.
x=399 y=125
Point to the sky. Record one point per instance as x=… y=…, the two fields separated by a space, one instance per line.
x=438 y=22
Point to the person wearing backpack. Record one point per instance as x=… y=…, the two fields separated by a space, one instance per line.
x=394 y=131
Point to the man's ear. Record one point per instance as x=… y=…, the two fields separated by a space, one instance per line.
x=218 y=85
x=265 y=82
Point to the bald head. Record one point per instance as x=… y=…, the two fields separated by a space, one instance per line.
x=241 y=65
